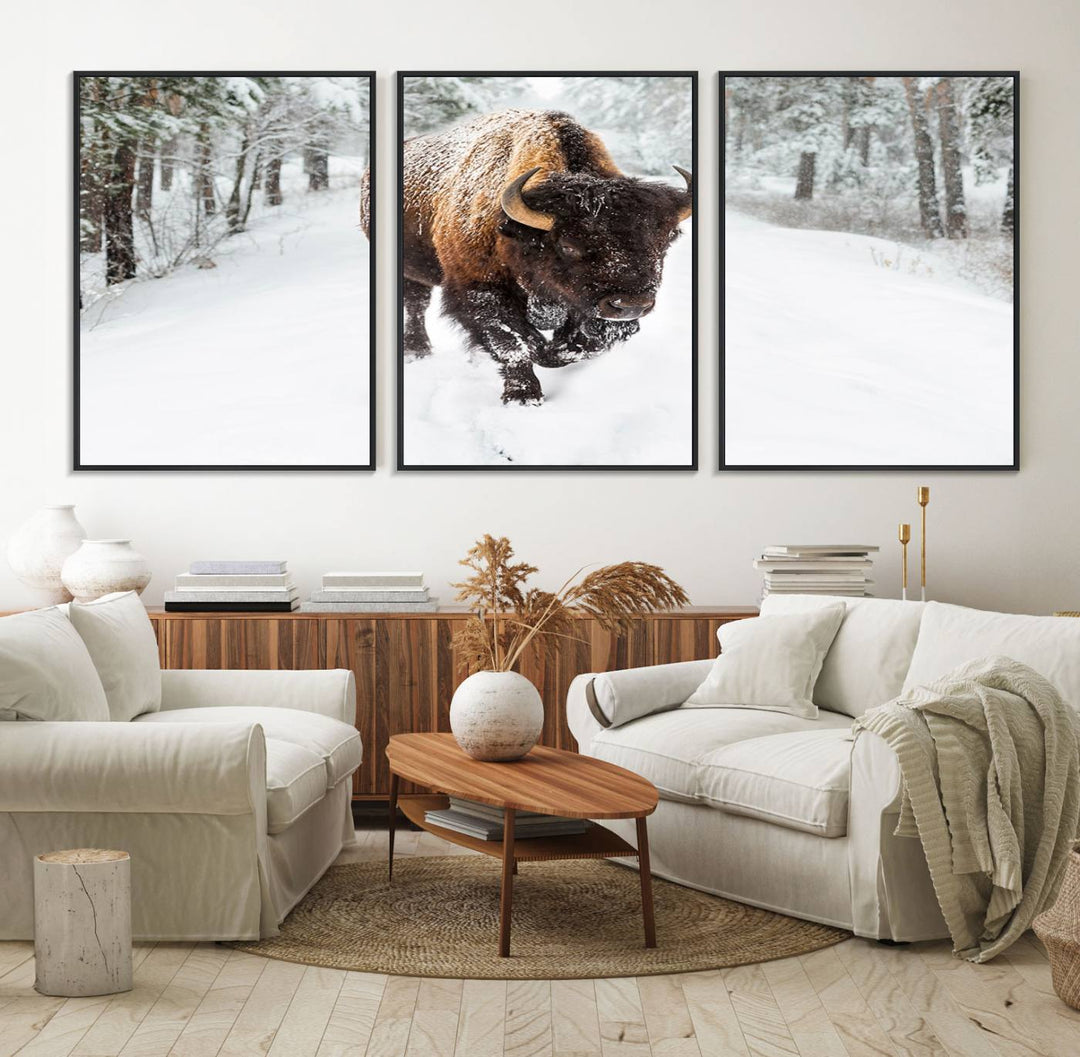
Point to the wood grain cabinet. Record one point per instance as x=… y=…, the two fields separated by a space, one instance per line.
x=406 y=667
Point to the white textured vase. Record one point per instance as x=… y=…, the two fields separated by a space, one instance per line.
x=100 y=567
x=496 y=715
x=37 y=551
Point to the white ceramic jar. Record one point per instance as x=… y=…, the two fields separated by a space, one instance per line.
x=100 y=567
x=37 y=551
x=496 y=715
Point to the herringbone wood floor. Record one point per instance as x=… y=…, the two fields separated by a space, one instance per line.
x=854 y=1000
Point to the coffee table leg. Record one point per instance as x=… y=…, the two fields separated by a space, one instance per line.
x=646 y=882
x=393 y=821
x=506 y=896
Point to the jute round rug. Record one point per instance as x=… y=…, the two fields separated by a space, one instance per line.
x=575 y=918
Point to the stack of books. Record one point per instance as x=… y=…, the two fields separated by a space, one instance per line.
x=817 y=569
x=234 y=587
x=486 y=822
x=371 y=593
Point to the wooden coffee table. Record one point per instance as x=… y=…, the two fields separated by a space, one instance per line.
x=549 y=781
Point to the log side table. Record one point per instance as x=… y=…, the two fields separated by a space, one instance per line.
x=549 y=781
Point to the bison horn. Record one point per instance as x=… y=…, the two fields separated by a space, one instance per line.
x=515 y=208
x=688 y=208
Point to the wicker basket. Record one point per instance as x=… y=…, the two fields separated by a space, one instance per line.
x=1059 y=929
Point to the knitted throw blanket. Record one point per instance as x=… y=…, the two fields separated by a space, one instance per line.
x=990 y=761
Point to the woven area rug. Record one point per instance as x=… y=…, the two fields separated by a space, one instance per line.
x=574 y=918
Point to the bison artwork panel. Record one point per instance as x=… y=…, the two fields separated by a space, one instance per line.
x=547 y=271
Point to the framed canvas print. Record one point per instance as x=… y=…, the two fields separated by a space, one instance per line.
x=870 y=271
x=547 y=271
x=224 y=284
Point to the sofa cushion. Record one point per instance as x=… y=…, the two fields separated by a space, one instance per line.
x=622 y=696
x=336 y=743
x=953 y=635
x=870 y=656
x=799 y=780
x=770 y=662
x=295 y=780
x=121 y=642
x=668 y=748
x=45 y=670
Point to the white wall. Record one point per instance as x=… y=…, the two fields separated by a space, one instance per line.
x=996 y=540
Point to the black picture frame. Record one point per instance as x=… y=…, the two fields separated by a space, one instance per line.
x=1014 y=464
x=78 y=464
x=401 y=464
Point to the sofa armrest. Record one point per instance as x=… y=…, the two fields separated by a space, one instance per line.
x=329 y=692
x=610 y=699
x=892 y=896
x=190 y=768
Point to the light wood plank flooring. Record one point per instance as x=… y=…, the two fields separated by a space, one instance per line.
x=857 y=999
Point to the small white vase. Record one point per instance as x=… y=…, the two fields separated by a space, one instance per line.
x=37 y=551
x=100 y=567
x=496 y=715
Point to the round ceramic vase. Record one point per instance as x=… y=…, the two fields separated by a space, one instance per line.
x=37 y=551
x=100 y=567
x=496 y=715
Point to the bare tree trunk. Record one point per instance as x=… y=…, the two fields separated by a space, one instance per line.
x=168 y=157
x=804 y=185
x=929 y=211
x=862 y=141
x=256 y=181
x=1008 y=214
x=119 y=229
x=91 y=198
x=956 y=221
x=144 y=184
x=204 y=177
x=232 y=208
x=318 y=168
x=273 y=181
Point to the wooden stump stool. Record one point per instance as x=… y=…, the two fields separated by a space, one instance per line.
x=82 y=922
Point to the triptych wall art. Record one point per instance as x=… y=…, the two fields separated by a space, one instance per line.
x=546 y=271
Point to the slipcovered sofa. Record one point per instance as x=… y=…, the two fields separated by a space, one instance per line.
x=231 y=790
x=795 y=814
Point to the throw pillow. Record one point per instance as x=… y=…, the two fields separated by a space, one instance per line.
x=45 y=670
x=120 y=638
x=770 y=663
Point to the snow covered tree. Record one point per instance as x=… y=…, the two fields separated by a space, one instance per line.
x=433 y=103
x=956 y=221
x=929 y=210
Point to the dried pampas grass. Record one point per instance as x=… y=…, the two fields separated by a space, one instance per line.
x=507 y=615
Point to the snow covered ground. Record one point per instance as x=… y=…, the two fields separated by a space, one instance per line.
x=261 y=360
x=629 y=407
x=849 y=350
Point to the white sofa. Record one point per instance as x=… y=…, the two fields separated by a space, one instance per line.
x=793 y=814
x=232 y=795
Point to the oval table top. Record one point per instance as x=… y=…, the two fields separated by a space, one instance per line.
x=549 y=781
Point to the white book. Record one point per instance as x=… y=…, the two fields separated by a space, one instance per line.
x=811 y=566
x=370 y=607
x=231 y=567
x=366 y=594
x=381 y=580
x=266 y=594
x=208 y=581
x=822 y=548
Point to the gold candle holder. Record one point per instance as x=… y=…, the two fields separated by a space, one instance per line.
x=923 y=497
x=904 y=535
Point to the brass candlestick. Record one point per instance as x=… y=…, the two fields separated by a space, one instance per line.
x=904 y=535
x=924 y=499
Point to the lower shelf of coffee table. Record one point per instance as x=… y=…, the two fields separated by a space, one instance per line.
x=595 y=843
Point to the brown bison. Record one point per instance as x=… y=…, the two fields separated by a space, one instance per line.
x=528 y=226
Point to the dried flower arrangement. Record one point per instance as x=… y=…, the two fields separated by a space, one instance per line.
x=507 y=615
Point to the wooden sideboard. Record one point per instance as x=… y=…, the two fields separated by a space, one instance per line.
x=406 y=667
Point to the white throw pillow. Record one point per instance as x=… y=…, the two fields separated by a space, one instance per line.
x=120 y=638
x=869 y=657
x=770 y=663
x=45 y=670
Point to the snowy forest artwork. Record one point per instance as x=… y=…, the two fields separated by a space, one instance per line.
x=548 y=262
x=869 y=270
x=224 y=281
